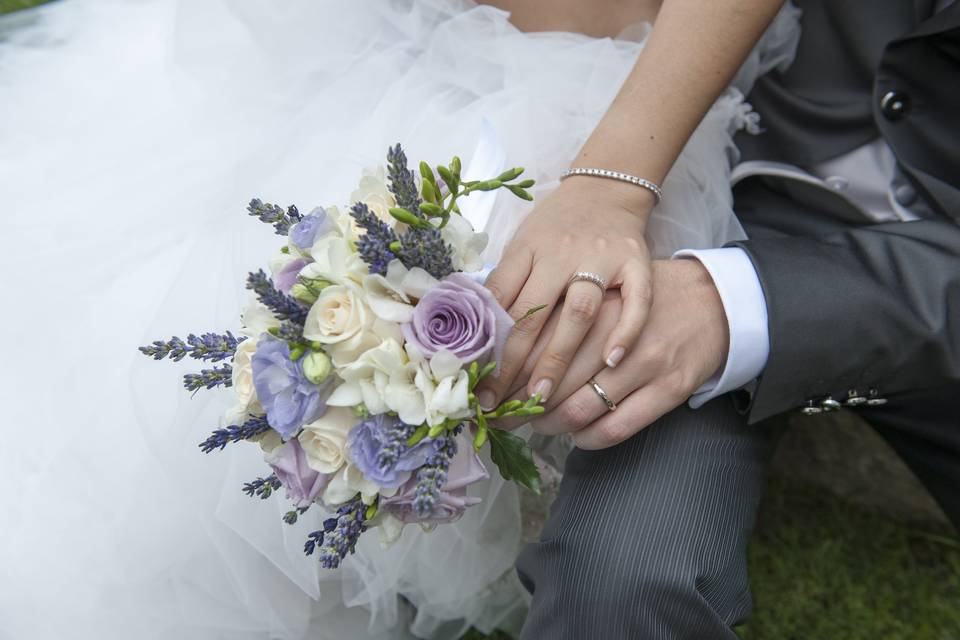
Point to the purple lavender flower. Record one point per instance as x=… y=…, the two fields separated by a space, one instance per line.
x=449 y=500
x=403 y=185
x=288 y=275
x=460 y=316
x=302 y=483
x=272 y=214
x=378 y=447
x=208 y=346
x=282 y=305
x=426 y=248
x=374 y=245
x=311 y=227
x=289 y=399
x=252 y=427
x=340 y=534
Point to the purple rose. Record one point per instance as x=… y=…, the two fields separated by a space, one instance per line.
x=465 y=468
x=289 y=399
x=378 y=447
x=302 y=483
x=287 y=277
x=312 y=226
x=460 y=316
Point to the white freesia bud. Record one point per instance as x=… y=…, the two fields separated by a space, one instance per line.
x=316 y=366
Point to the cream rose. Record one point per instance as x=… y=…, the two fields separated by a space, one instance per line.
x=325 y=439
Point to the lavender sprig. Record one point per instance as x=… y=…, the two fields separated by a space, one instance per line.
x=403 y=185
x=396 y=445
x=209 y=378
x=426 y=248
x=433 y=474
x=340 y=534
x=220 y=438
x=263 y=488
x=374 y=245
x=272 y=214
x=282 y=305
x=211 y=347
x=290 y=517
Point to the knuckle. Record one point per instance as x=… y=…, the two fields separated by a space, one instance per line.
x=675 y=383
x=633 y=245
x=613 y=432
x=497 y=290
x=581 y=308
x=556 y=361
x=574 y=414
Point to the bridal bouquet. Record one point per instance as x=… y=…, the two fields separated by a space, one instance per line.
x=358 y=356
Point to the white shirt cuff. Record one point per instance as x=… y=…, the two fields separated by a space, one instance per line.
x=746 y=309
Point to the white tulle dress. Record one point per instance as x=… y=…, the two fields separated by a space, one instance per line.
x=132 y=133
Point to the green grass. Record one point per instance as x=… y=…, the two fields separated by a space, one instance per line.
x=8 y=6
x=822 y=568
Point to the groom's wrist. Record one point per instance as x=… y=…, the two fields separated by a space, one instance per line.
x=741 y=294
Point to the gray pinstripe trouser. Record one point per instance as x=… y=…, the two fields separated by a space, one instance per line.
x=648 y=539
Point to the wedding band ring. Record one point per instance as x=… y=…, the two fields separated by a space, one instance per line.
x=589 y=276
x=611 y=405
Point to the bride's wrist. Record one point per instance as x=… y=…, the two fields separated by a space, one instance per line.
x=634 y=199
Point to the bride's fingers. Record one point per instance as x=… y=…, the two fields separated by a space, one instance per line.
x=540 y=289
x=580 y=308
x=507 y=280
x=636 y=291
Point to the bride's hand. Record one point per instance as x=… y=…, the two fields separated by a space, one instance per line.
x=588 y=224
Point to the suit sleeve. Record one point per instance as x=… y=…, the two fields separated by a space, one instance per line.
x=858 y=310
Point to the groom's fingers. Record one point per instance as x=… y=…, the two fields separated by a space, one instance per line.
x=633 y=414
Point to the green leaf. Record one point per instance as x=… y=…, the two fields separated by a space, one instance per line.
x=514 y=458
x=530 y=312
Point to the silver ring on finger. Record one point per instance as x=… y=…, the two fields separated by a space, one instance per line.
x=611 y=405
x=589 y=276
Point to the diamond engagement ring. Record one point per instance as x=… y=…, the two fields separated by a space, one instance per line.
x=589 y=276
x=611 y=405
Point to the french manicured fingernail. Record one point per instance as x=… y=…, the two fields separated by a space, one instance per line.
x=487 y=400
x=616 y=355
x=543 y=388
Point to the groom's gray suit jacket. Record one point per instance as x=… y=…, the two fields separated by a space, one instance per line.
x=854 y=305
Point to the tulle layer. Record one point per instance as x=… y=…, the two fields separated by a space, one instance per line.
x=132 y=133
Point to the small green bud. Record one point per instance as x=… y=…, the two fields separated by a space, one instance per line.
x=407 y=217
x=427 y=172
x=428 y=193
x=480 y=439
x=510 y=174
x=317 y=367
x=448 y=178
x=520 y=192
x=303 y=294
x=433 y=210
x=315 y=285
x=456 y=166
x=360 y=410
x=395 y=246
x=526 y=184
x=371 y=511
x=487 y=369
x=296 y=353
x=284 y=249
x=437 y=429
x=489 y=185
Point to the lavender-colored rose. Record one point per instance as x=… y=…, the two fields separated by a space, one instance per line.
x=460 y=316
x=465 y=468
x=303 y=484
x=378 y=447
x=289 y=399
x=311 y=227
x=287 y=277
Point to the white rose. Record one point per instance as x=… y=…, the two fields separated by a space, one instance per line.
x=325 y=439
x=341 y=319
x=242 y=375
x=467 y=245
x=335 y=260
x=374 y=193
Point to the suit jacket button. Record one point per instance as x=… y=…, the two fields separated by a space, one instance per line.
x=854 y=399
x=894 y=104
x=829 y=404
x=811 y=409
x=874 y=399
x=905 y=195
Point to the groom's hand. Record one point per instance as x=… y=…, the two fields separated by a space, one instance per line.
x=682 y=345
